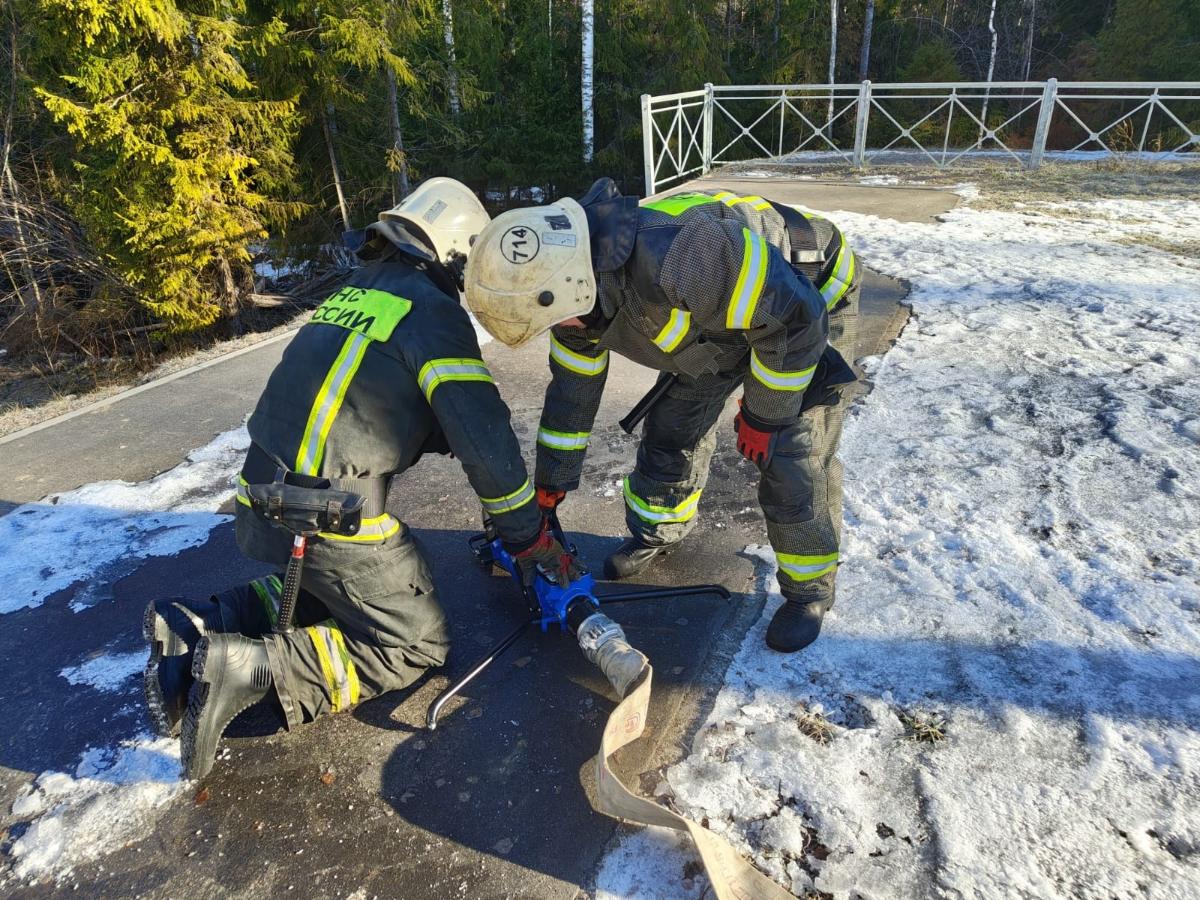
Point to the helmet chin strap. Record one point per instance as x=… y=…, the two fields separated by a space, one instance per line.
x=447 y=276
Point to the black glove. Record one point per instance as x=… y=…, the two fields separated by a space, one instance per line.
x=555 y=562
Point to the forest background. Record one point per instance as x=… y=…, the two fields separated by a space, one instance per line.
x=152 y=149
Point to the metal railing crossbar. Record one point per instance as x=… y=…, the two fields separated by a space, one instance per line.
x=676 y=127
x=907 y=132
x=820 y=132
x=745 y=131
x=1193 y=137
x=991 y=133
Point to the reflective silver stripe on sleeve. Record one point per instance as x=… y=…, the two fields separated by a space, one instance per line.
x=509 y=502
x=780 y=381
x=563 y=440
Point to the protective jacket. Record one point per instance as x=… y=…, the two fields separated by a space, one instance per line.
x=386 y=369
x=702 y=284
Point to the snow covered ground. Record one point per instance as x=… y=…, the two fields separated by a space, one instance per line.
x=86 y=537
x=75 y=537
x=1020 y=581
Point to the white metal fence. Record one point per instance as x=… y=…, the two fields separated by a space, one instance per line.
x=687 y=134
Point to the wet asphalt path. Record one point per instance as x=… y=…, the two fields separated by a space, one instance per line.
x=491 y=805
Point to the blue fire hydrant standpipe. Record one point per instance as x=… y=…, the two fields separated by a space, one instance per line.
x=574 y=609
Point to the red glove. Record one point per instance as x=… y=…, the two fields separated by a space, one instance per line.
x=753 y=444
x=551 y=557
x=549 y=498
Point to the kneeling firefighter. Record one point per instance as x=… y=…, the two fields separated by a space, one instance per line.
x=712 y=290
x=388 y=368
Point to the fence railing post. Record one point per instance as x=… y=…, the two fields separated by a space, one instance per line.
x=1045 y=114
x=648 y=144
x=707 y=162
x=860 y=124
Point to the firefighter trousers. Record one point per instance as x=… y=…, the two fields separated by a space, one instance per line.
x=367 y=620
x=800 y=485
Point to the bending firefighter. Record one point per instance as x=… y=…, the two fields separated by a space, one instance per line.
x=715 y=291
x=387 y=369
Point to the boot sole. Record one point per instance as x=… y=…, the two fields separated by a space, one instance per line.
x=157 y=633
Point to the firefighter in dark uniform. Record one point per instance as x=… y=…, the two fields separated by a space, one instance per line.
x=388 y=368
x=716 y=291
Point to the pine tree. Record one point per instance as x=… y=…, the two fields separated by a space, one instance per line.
x=175 y=156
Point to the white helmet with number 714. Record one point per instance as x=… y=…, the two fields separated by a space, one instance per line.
x=531 y=269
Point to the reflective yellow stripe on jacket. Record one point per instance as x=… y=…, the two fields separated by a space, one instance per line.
x=577 y=362
x=563 y=440
x=755 y=260
x=328 y=402
x=439 y=371
x=780 y=381
x=730 y=199
x=674 y=331
x=840 y=278
x=509 y=502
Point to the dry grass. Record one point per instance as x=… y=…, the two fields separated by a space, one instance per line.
x=923 y=727
x=813 y=725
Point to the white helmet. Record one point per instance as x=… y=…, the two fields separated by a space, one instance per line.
x=445 y=211
x=530 y=269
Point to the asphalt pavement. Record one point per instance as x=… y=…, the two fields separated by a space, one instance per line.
x=494 y=803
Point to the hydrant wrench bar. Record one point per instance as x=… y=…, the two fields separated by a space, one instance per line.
x=574 y=608
x=444 y=697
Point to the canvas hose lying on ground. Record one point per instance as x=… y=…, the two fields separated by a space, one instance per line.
x=732 y=877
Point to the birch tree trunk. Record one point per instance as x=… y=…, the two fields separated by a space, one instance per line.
x=864 y=59
x=399 y=160
x=329 y=127
x=991 y=71
x=1029 y=40
x=452 y=73
x=833 y=28
x=588 y=14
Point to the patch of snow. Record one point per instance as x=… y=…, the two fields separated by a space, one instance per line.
x=114 y=796
x=272 y=269
x=888 y=180
x=772 y=173
x=652 y=863
x=968 y=191
x=107 y=672
x=72 y=537
x=1021 y=566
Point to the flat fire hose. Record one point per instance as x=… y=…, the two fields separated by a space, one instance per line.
x=732 y=877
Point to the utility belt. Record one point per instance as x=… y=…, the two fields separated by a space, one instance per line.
x=260 y=468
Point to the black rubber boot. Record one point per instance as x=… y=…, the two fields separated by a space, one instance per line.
x=631 y=557
x=796 y=624
x=173 y=628
x=232 y=673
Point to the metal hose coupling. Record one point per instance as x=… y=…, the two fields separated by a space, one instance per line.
x=603 y=643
